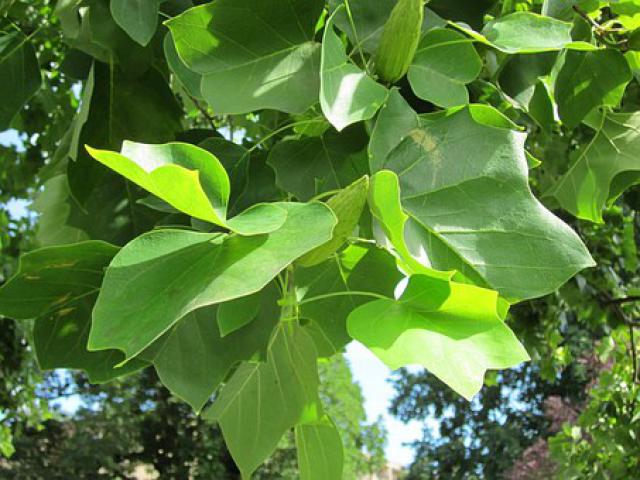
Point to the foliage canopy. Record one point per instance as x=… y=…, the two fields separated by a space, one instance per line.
x=240 y=193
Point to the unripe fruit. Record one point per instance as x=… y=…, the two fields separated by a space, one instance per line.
x=400 y=40
x=347 y=206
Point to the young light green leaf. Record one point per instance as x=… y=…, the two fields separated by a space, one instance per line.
x=57 y=286
x=347 y=205
x=163 y=275
x=20 y=76
x=526 y=32
x=314 y=165
x=252 y=55
x=472 y=209
x=320 y=451
x=444 y=63
x=603 y=168
x=139 y=18
x=270 y=397
x=190 y=179
x=588 y=80
x=347 y=94
x=193 y=358
x=384 y=201
x=454 y=330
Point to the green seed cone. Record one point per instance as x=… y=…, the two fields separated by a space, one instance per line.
x=400 y=40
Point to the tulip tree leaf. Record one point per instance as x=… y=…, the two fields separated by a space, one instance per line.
x=193 y=358
x=456 y=331
x=271 y=397
x=444 y=63
x=233 y=315
x=313 y=165
x=20 y=76
x=188 y=78
x=139 y=18
x=163 y=275
x=357 y=269
x=320 y=451
x=190 y=179
x=252 y=55
x=58 y=286
x=602 y=168
x=368 y=18
x=386 y=207
x=347 y=94
x=526 y=32
x=588 y=80
x=465 y=187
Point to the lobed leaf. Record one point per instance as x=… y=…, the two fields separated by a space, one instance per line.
x=454 y=330
x=145 y=291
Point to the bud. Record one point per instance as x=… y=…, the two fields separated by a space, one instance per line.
x=400 y=40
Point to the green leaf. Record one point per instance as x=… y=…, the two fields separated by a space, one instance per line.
x=386 y=207
x=465 y=187
x=588 y=80
x=395 y=121
x=252 y=55
x=347 y=205
x=602 y=168
x=526 y=32
x=320 y=451
x=347 y=94
x=20 y=76
x=190 y=179
x=163 y=275
x=139 y=18
x=237 y=313
x=193 y=358
x=454 y=330
x=314 y=165
x=270 y=398
x=188 y=78
x=57 y=287
x=356 y=269
x=444 y=63
x=368 y=18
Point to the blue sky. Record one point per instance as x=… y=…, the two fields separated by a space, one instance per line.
x=369 y=372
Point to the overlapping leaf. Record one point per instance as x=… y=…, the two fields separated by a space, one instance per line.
x=289 y=379
x=57 y=287
x=190 y=179
x=465 y=187
x=602 y=168
x=454 y=330
x=366 y=271
x=313 y=165
x=20 y=76
x=139 y=18
x=526 y=32
x=588 y=80
x=320 y=452
x=194 y=357
x=444 y=63
x=347 y=94
x=162 y=276
x=252 y=55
